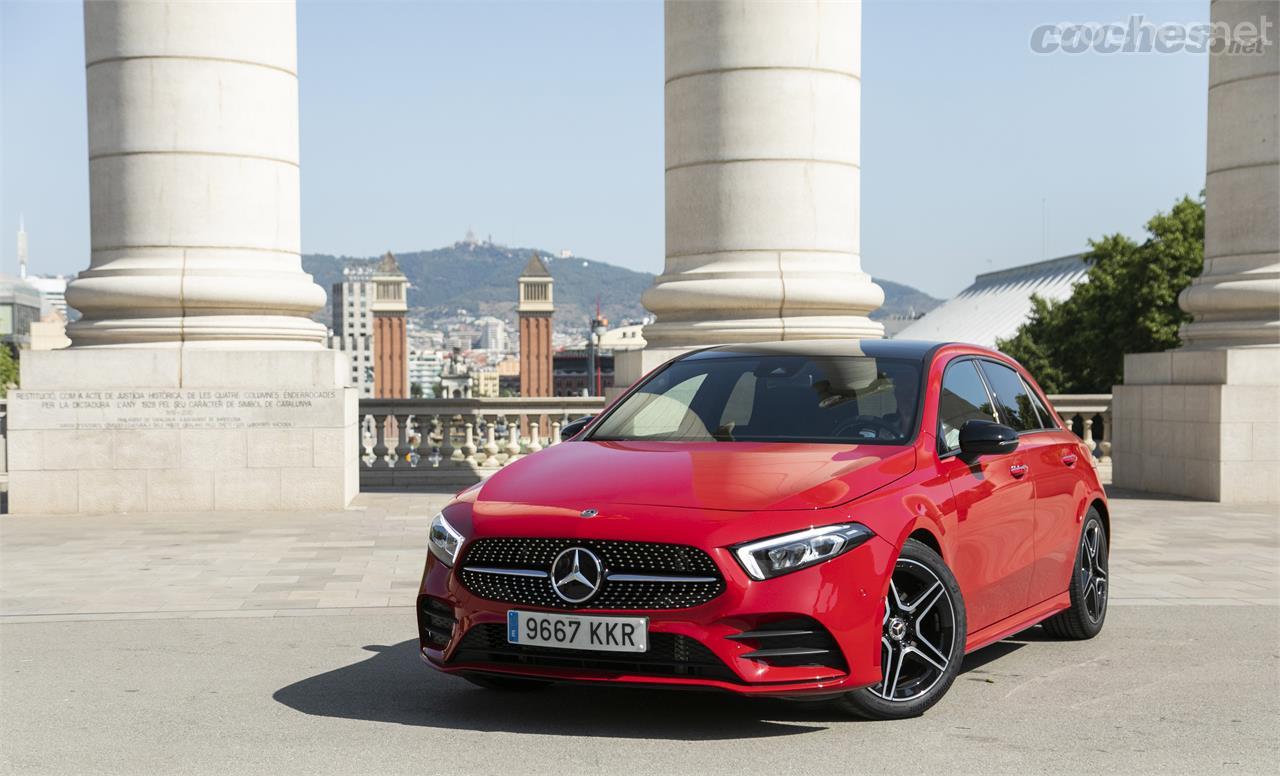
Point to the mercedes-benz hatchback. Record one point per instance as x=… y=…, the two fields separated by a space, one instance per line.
x=843 y=519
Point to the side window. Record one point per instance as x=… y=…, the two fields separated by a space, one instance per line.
x=964 y=398
x=1046 y=419
x=1012 y=397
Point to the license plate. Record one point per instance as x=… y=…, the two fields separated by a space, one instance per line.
x=576 y=631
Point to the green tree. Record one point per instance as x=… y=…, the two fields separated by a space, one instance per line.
x=1128 y=303
x=8 y=370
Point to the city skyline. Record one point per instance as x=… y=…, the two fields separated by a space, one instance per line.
x=421 y=120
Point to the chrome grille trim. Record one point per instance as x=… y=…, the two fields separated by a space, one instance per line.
x=660 y=578
x=535 y=573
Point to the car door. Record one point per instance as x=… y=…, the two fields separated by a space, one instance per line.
x=994 y=505
x=1054 y=456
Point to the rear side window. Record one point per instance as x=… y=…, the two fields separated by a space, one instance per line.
x=1046 y=420
x=963 y=398
x=1012 y=397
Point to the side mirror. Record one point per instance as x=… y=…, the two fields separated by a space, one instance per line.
x=574 y=427
x=985 y=437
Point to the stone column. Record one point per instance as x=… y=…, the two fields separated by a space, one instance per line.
x=1203 y=420
x=1236 y=300
x=195 y=380
x=193 y=172
x=762 y=175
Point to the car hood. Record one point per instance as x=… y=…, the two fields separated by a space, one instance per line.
x=736 y=476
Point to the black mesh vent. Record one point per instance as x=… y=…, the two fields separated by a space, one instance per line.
x=617 y=557
x=435 y=622
x=668 y=655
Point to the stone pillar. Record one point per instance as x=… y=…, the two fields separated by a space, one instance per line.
x=1204 y=420
x=193 y=177
x=195 y=380
x=762 y=175
x=1235 y=301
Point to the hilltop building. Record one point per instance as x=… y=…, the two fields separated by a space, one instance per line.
x=535 y=309
x=997 y=303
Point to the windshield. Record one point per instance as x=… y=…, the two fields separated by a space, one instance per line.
x=770 y=398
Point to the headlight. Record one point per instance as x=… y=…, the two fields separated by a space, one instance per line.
x=791 y=552
x=444 y=540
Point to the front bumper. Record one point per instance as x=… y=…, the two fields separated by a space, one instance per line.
x=844 y=596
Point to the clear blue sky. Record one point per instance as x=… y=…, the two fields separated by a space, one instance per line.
x=541 y=123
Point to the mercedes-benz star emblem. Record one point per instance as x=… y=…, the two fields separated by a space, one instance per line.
x=576 y=575
x=589 y=512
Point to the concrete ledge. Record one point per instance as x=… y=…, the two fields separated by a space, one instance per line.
x=1200 y=423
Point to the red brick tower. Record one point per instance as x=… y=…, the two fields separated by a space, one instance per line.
x=535 y=310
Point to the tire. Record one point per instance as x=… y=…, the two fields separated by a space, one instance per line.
x=922 y=643
x=1089 y=587
x=498 y=683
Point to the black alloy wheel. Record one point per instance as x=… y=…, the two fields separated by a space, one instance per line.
x=922 y=638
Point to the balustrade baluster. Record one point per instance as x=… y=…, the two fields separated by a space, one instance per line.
x=555 y=433
x=1104 y=447
x=448 y=450
x=380 y=448
x=513 y=440
x=490 y=444
x=535 y=441
x=469 y=445
x=1088 y=435
x=402 y=441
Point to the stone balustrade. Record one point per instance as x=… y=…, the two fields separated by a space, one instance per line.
x=1089 y=416
x=448 y=442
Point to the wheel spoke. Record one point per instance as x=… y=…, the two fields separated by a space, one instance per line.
x=925 y=657
x=925 y=601
x=930 y=651
x=891 y=669
x=895 y=598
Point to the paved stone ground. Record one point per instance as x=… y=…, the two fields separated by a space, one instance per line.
x=1184 y=679
x=263 y=564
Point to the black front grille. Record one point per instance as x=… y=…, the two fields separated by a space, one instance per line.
x=435 y=622
x=628 y=558
x=668 y=655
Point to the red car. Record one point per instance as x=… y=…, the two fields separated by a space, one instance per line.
x=840 y=519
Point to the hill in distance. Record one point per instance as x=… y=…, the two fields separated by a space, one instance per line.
x=481 y=278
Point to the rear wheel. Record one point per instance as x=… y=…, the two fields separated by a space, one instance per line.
x=1089 y=586
x=506 y=683
x=922 y=641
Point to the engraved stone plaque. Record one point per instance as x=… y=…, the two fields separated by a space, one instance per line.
x=178 y=408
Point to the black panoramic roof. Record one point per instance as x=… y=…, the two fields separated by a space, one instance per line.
x=875 y=348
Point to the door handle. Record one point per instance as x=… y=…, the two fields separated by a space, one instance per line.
x=1070 y=459
x=1018 y=470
